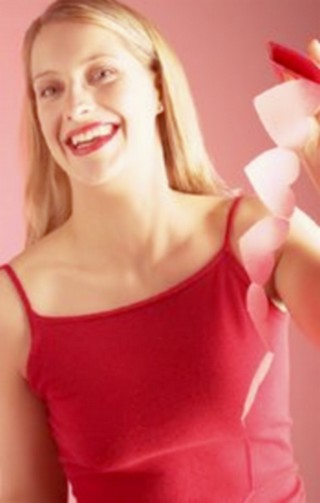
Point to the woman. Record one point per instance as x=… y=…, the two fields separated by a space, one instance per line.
x=138 y=365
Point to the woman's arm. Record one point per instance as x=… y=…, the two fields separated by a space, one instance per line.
x=296 y=276
x=29 y=467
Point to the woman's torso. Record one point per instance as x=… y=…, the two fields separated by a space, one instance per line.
x=180 y=375
x=57 y=287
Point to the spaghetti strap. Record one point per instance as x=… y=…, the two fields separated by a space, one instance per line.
x=20 y=289
x=230 y=218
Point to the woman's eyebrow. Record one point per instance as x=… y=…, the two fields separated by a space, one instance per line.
x=86 y=60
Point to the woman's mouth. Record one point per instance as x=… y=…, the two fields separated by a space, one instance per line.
x=87 y=146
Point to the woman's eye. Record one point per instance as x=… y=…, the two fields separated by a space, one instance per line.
x=48 y=92
x=102 y=74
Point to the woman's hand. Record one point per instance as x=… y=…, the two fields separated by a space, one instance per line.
x=313 y=50
x=290 y=112
x=310 y=154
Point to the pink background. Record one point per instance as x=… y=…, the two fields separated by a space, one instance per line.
x=222 y=45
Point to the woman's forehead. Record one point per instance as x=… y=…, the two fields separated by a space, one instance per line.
x=58 y=43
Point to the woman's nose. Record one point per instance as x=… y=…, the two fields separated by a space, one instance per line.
x=78 y=104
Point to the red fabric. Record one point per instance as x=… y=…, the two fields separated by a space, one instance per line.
x=146 y=402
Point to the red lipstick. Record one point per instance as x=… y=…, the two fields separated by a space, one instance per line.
x=94 y=144
x=84 y=129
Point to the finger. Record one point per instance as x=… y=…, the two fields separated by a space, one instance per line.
x=313 y=50
x=286 y=75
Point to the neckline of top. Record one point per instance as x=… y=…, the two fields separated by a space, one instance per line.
x=146 y=302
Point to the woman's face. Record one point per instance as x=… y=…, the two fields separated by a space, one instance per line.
x=84 y=76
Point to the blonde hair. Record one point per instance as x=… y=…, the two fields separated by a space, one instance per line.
x=189 y=168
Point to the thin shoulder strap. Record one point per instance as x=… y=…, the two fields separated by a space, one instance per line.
x=230 y=219
x=17 y=283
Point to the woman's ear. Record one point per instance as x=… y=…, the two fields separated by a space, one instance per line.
x=160 y=107
x=157 y=79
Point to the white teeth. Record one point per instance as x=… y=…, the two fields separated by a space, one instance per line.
x=94 y=133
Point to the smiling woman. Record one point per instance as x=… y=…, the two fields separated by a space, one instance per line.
x=138 y=65
x=145 y=324
x=127 y=100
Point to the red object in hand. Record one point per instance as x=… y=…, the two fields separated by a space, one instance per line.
x=296 y=64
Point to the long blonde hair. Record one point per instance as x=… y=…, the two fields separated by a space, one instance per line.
x=189 y=168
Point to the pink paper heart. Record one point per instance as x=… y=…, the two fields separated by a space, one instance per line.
x=258 y=244
x=270 y=174
x=257 y=304
x=285 y=109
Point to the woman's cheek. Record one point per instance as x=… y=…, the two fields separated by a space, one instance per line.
x=49 y=128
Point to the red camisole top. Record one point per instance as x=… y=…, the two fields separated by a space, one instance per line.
x=172 y=399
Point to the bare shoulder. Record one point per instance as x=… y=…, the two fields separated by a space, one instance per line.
x=14 y=323
x=303 y=229
x=12 y=317
x=212 y=207
x=250 y=209
x=35 y=265
x=213 y=211
x=41 y=253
